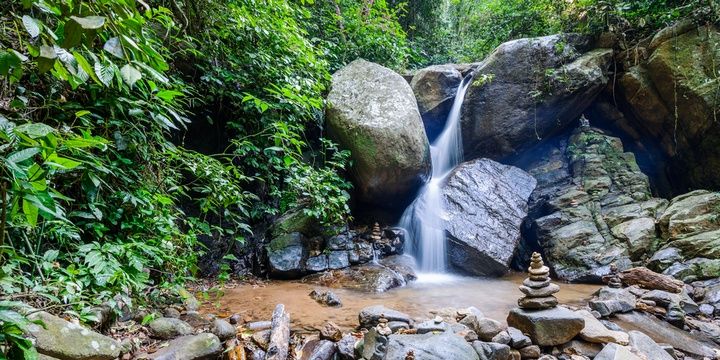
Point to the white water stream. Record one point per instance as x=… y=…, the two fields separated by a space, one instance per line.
x=423 y=220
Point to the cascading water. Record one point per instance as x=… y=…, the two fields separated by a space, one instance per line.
x=423 y=219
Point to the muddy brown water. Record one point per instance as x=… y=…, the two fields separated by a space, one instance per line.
x=419 y=299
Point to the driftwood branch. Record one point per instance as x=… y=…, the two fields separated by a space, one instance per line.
x=279 y=335
x=649 y=279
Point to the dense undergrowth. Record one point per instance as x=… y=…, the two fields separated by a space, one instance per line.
x=105 y=177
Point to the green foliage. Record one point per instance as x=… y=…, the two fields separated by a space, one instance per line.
x=13 y=325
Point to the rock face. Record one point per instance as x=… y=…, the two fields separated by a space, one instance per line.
x=68 y=341
x=536 y=88
x=673 y=96
x=592 y=207
x=485 y=204
x=435 y=89
x=373 y=113
x=295 y=254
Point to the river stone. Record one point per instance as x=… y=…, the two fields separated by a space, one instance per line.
x=369 y=316
x=645 y=346
x=485 y=204
x=190 y=347
x=169 y=328
x=429 y=347
x=614 y=351
x=372 y=112
x=547 y=327
x=492 y=351
x=223 y=330
x=64 y=340
x=664 y=258
x=518 y=339
x=485 y=328
x=435 y=88
x=594 y=331
x=346 y=347
x=530 y=352
x=581 y=347
x=611 y=301
x=319 y=350
x=500 y=118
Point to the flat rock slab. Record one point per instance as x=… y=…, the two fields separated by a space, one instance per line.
x=594 y=331
x=614 y=351
x=430 y=347
x=370 y=315
x=191 y=347
x=68 y=341
x=663 y=332
x=547 y=327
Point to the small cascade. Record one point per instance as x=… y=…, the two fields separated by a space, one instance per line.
x=423 y=219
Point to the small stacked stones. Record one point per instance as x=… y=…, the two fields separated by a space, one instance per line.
x=382 y=326
x=537 y=287
x=614 y=281
x=376 y=233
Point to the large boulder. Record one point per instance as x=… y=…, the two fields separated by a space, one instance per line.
x=485 y=204
x=672 y=94
x=435 y=88
x=373 y=113
x=528 y=89
x=64 y=340
x=190 y=347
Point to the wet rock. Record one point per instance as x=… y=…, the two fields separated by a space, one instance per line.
x=530 y=352
x=547 y=327
x=610 y=301
x=485 y=328
x=664 y=258
x=171 y=312
x=327 y=298
x=594 y=331
x=645 y=346
x=482 y=236
x=262 y=339
x=319 y=350
x=346 y=347
x=223 y=330
x=707 y=309
x=614 y=351
x=189 y=347
x=502 y=338
x=330 y=331
x=373 y=113
x=68 y=341
x=169 y=328
x=285 y=255
x=492 y=351
x=435 y=88
x=430 y=347
x=499 y=119
x=433 y=326
x=518 y=340
x=580 y=347
x=369 y=316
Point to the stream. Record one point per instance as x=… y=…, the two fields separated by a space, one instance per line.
x=493 y=296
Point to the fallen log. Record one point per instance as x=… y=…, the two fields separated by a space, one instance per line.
x=648 y=279
x=279 y=335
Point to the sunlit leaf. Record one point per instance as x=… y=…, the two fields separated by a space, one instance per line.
x=31 y=25
x=114 y=47
x=130 y=74
x=89 y=22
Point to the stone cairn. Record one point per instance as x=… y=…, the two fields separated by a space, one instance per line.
x=614 y=281
x=537 y=287
x=376 y=235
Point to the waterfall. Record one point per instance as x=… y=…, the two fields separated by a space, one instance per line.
x=423 y=220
